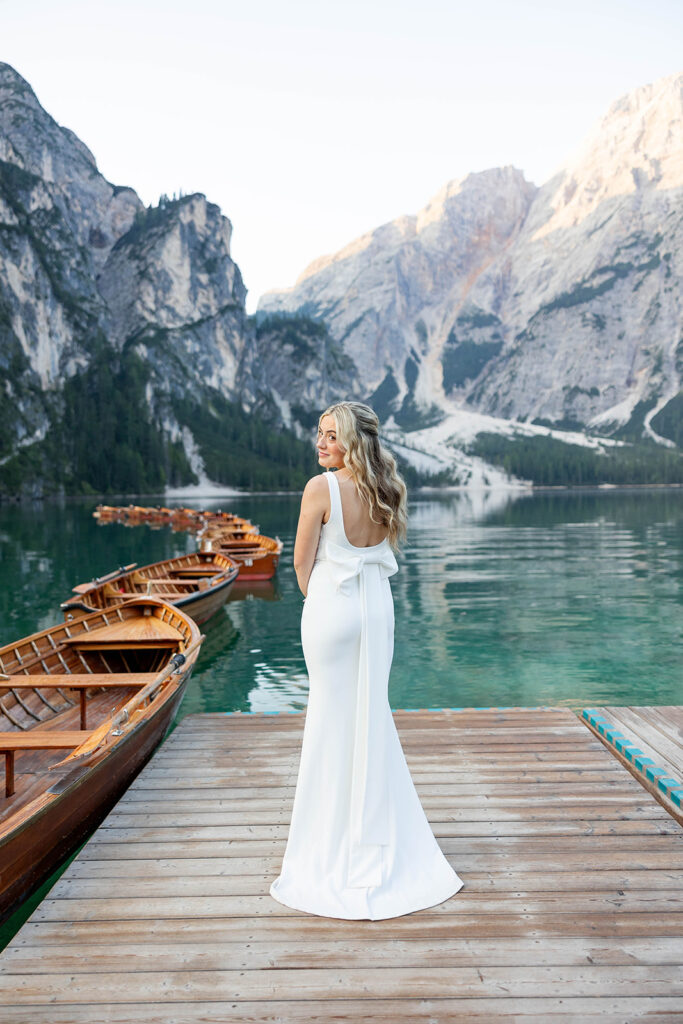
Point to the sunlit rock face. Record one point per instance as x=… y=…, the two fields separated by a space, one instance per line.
x=387 y=295
x=91 y=278
x=593 y=318
x=83 y=259
x=171 y=287
x=59 y=219
x=561 y=303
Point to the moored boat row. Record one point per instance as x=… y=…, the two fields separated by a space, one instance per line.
x=181 y=518
x=256 y=555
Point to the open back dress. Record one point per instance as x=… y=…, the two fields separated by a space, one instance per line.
x=359 y=844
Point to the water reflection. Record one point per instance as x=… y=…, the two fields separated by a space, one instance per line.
x=556 y=598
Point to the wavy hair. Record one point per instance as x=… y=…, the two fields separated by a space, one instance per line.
x=373 y=468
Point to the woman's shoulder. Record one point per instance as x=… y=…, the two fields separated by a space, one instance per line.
x=316 y=483
x=316 y=489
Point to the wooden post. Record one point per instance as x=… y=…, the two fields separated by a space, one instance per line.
x=83 y=711
x=9 y=773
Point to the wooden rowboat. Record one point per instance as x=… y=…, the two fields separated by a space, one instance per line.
x=256 y=555
x=198 y=583
x=96 y=696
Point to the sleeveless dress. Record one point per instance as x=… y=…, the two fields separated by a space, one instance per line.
x=359 y=844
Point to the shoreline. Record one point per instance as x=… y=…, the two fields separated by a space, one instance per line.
x=231 y=492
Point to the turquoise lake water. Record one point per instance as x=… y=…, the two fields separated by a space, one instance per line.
x=557 y=598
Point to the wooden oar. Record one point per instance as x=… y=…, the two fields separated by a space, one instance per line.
x=98 y=736
x=83 y=588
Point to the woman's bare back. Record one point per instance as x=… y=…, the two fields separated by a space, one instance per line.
x=359 y=528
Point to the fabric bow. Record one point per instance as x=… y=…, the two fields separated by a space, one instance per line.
x=346 y=565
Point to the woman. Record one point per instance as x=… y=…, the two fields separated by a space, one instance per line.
x=359 y=846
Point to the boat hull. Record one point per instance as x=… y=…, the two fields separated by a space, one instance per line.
x=202 y=606
x=256 y=569
x=32 y=850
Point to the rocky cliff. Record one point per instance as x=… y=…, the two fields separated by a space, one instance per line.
x=127 y=359
x=559 y=305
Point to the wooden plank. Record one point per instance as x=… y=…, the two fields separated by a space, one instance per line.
x=614 y=1010
x=436 y=717
x=355 y=983
x=510 y=846
x=345 y=954
x=485 y=1010
x=531 y=877
x=484 y=815
x=279 y=800
x=131 y=817
x=453 y=840
x=197 y=848
x=462 y=784
x=591 y=925
x=233 y=774
x=259 y=804
x=144 y=790
x=588 y=755
x=660 y=901
x=441 y=761
x=481 y=744
x=659 y=824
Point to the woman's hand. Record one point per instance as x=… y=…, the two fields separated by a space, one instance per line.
x=315 y=503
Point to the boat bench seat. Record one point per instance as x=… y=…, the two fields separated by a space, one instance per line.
x=83 y=643
x=182 y=581
x=81 y=682
x=184 y=574
x=35 y=739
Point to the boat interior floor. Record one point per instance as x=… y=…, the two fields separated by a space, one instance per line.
x=31 y=777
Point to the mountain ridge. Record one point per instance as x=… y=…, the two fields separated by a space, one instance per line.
x=568 y=314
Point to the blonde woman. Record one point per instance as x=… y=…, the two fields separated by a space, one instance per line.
x=359 y=845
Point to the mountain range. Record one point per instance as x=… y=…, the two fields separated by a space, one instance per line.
x=509 y=309
x=505 y=331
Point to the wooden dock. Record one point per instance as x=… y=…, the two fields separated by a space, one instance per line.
x=572 y=907
x=649 y=742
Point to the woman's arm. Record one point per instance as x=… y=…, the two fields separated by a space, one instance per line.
x=314 y=502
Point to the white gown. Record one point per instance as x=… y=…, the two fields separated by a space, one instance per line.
x=359 y=844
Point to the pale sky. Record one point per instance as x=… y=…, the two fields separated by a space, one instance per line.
x=310 y=122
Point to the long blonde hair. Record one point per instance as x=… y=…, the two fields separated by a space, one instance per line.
x=373 y=468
